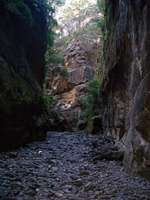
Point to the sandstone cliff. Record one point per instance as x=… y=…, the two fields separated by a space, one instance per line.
x=23 y=44
x=126 y=89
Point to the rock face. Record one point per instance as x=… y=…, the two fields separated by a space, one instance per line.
x=23 y=44
x=81 y=52
x=126 y=89
x=80 y=65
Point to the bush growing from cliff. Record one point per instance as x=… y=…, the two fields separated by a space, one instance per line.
x=49 y=101
x=101 y=22
x=88 y=101
x=93 y=88
x=54 y=57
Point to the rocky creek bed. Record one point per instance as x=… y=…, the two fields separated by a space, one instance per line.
x=68 y=166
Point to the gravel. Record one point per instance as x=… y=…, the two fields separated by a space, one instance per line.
x=68 y=166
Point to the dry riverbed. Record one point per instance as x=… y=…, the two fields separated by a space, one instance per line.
x=68 y=166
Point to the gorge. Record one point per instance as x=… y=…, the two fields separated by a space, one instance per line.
x=74 y=100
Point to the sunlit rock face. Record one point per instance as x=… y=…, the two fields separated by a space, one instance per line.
x=23 y=44
x=81 y=61
x=80 y=65
x=126 y=89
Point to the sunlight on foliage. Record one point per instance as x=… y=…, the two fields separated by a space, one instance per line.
x=75 y=15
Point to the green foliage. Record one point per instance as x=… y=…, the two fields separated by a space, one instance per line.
x=88 y=101
x=101 y=6
x=76 y=15
x=101 y=22
x=89 y=32
x=93 y=88
x=64 y=72
x=49 y=101
x=54 y=57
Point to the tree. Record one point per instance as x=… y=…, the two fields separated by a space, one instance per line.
x=75 y=15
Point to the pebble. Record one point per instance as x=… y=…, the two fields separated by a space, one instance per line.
x=68 y=166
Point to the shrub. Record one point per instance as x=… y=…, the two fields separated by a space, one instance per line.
x=64 y=72
x=90 y=101
x=52 y=56
x=49 y=101
x=93 y=88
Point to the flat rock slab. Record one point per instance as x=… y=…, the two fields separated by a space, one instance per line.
x=66 y=166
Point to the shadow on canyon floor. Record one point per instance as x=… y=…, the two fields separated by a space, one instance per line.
x=68 y=166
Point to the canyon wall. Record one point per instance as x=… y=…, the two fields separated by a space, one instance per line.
x=23 y=29
x=126 y=88
x=70 y=82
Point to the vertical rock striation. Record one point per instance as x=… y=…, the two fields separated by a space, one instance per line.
x=126 y=89
x=23 y=44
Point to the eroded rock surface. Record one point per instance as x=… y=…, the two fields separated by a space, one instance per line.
x=68 y=166
x=80 y=67
x=127 y=85
x=23 y=45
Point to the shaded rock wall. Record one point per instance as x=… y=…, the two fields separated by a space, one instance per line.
x=126 y=89
x=23 y=44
